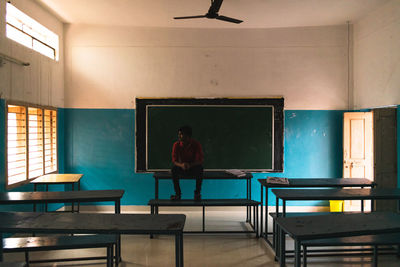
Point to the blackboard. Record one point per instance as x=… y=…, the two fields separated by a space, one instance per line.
x=234 y=133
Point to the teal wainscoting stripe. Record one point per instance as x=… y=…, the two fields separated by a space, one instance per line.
x=100 y=143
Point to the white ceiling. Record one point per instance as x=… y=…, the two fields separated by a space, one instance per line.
x=255 y=13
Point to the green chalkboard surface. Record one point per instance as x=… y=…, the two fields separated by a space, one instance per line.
x=245 y=134
x=233 y=137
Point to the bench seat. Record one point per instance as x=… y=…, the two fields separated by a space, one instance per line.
x=156 y=203
x=203 y=202
x=364 y=240
x=44 y=243
x=301 y=214
x=12 y=264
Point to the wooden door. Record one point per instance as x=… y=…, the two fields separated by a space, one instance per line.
x=385 y=156
x=357 y=150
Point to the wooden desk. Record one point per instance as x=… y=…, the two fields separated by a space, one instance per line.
x=68 y=223
x=12 y=264
x=209 y=175
x=11 y=198
x=331 y=194
x=58 y=178
x=334 y=194
x=334 y=225
x=306 y=183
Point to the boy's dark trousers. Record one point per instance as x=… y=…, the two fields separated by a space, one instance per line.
x=195 y=171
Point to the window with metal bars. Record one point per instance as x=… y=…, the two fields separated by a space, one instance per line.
x=31 y=142
x=28 y=32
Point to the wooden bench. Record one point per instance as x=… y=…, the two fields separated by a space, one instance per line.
x=209 y=175
x=307 y=228
x=364 y=240
x=96 y=223
x=12 y=264
x=44 y=243
x=14 y=198
x=156 y=203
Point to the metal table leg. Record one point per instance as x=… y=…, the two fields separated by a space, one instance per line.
x=282 y=249
x=297 y=249
x=156 y=193
x=204 y=211
x=47 y=189
x=262 y=213
x=118 y=248
x=179 y=250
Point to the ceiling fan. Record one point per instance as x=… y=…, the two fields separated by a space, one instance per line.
x=213 y=13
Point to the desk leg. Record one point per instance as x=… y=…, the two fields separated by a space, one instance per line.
x=73 y=204
x=1 y=250
x=151 y=212
x=79 y=189
x=375 y=256
x=257 y=225
x=283 y=208
x=47 y=189
x=204 y=211
x=262 y=212
x=266 y=212
x=297 y=255
x=179 y=250
x=275 y=230
x=118 y=248
x=156 y=193
x=34 y=190
x=282 y=249
x=305 y=256
x=110 y=256
x=247 y=197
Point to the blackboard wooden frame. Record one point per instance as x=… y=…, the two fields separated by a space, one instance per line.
x=141 y=123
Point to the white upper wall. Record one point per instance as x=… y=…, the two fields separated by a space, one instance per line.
x=377 y=58
x=107 y=67
x=43 y=81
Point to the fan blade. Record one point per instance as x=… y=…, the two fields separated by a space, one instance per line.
x=191 y=17
x=215 y=6
x=229 y=19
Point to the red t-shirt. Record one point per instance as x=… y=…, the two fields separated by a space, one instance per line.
x=190 y=153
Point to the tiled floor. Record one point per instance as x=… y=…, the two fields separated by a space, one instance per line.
x=202 y=250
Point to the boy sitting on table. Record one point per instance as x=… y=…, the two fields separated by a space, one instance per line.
x=187 y=160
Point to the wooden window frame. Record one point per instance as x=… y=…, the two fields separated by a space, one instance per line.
x=27 y=106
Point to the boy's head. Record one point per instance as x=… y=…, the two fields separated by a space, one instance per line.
x=184 y=133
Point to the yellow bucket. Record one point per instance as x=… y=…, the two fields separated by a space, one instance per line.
x=336 y=205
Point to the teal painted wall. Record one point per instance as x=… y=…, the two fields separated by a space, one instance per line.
x=100 y=143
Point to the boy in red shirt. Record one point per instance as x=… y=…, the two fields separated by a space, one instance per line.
x=187 y=160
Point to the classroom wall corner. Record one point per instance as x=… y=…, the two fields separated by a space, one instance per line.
x=2 y=145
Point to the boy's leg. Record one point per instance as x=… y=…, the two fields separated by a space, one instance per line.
x=176 y=173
